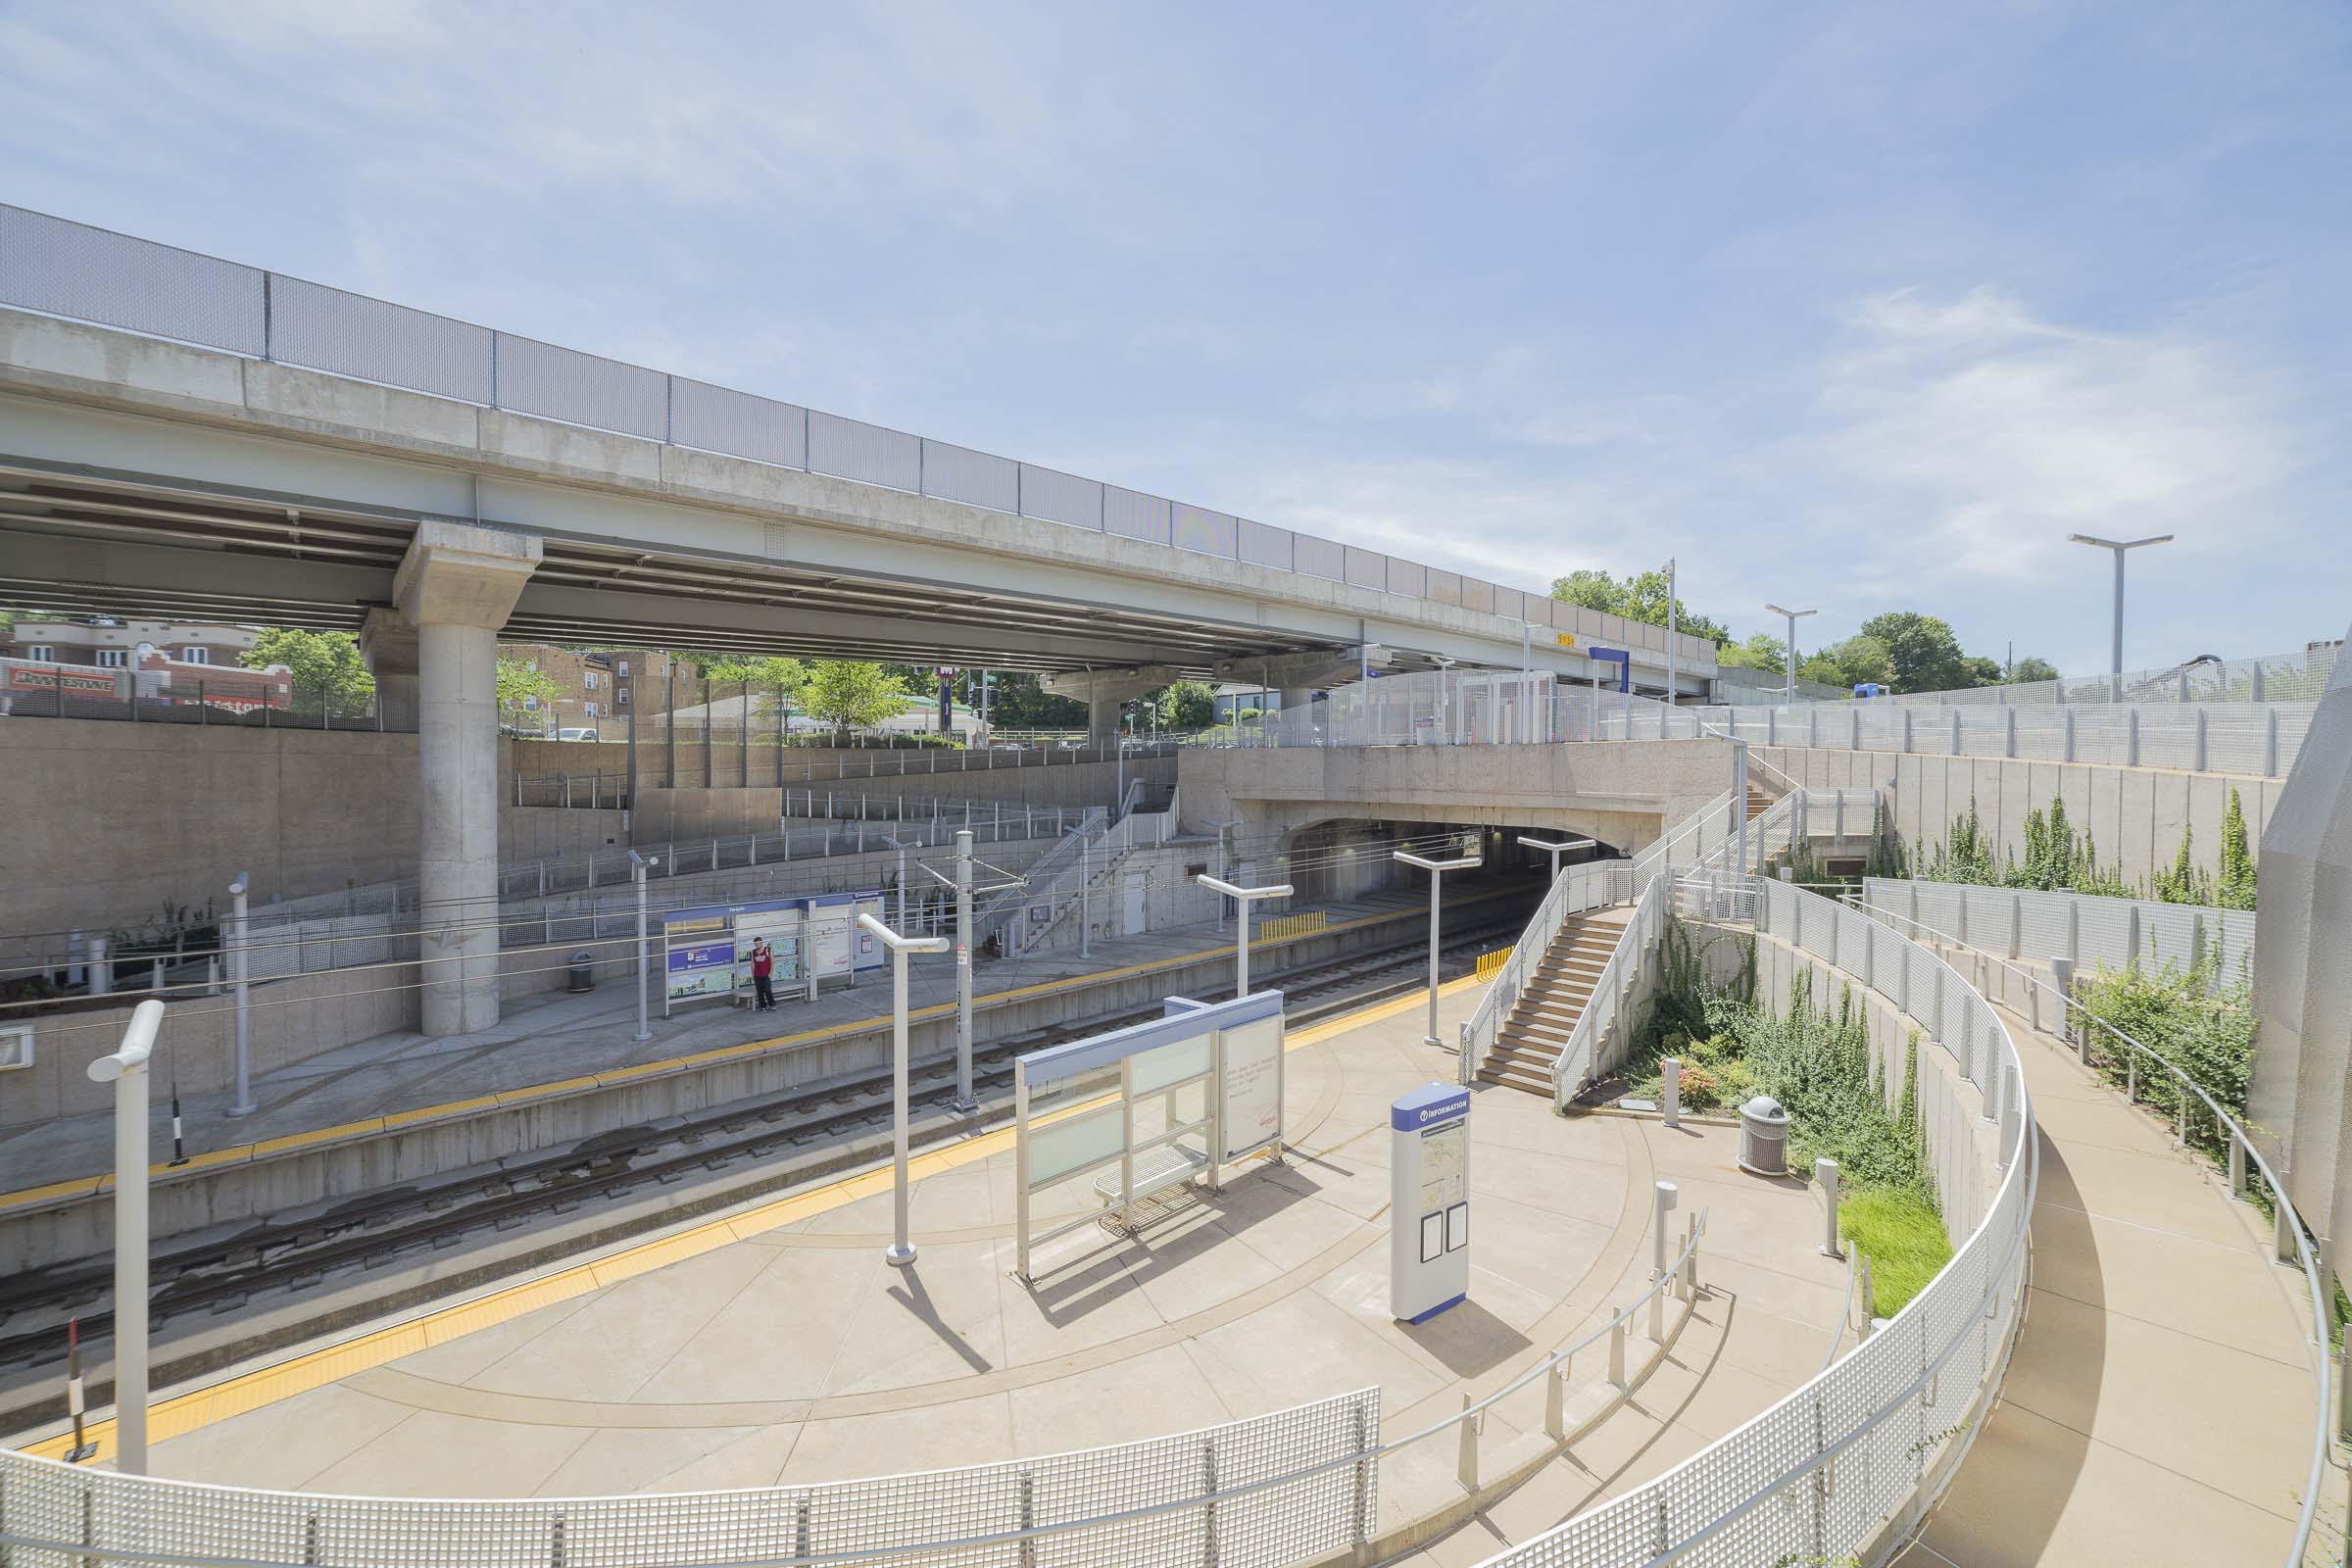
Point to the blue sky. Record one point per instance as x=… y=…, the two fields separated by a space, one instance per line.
x=1860 y=306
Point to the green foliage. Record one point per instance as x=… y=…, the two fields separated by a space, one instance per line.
x=772 y=671
x=1677 y=1009
x=1922 y=650
x=1818 y=1064
x=520 y=681
x=1715 y=1077
x=2032 y=669
x=1190 y=705
x=850 y=693
x=327 y=665
x=1640 y=597
x=2204 y=1027
x=2234 y=888
x=1850 y=664
x=1904 y=1238
x=2057 y=859
x=1017 y=702
x=1761 y=651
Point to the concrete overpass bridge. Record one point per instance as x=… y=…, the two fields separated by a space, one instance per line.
x=184 y=436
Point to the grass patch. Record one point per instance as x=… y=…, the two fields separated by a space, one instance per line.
x=1903 y=1238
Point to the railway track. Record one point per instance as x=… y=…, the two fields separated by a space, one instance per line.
x=219 y=1274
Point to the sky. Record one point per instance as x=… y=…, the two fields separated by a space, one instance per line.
x=1862 y=306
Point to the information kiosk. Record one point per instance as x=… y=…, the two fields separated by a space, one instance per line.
x=1428 y=1201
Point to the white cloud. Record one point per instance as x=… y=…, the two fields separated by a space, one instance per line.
x=1986 y=433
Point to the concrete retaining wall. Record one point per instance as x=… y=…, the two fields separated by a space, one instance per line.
x=2135 y=815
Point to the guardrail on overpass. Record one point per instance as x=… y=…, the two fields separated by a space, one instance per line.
x=63 y=269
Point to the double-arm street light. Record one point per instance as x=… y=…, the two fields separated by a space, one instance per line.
x=1793 y=616
x=2115 y=653
x=1242 y=898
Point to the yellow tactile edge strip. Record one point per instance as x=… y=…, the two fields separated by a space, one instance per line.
x=375 y=1126
x=182 y=1413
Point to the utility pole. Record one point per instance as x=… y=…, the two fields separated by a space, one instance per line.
x=1242 y=898
x=1221 y=826
x=2115 y=658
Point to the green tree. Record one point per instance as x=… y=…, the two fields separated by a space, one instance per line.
x=848 y=694
x=1190 y=705
x=520 y=683
x=325 y=664
x=2032 y=670
x=1640 y=597
x=769 y=671
x=1018 y=702
x=1926 y=655
x=1761 y=651
x=1851 y=663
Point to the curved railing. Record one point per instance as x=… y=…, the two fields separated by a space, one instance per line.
x=1818 y=1475
x=2245 y=1159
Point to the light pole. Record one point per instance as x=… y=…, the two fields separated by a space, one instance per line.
x=961 y=883
x=1221 y=826
x=902 y=1251
x=1672 y=695
x=1793 y=616
x=640 y=866
x=901 y=846
x=242 y=1103
x=2115 y=657
x=1555 y=850
x=1242 y=898
x=126 y=1070
x=1436 y=871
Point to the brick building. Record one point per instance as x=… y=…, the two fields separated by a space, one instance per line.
x=595 y=688
x=108 y=644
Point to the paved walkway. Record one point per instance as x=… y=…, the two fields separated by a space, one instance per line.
x=2158 y=1408
x=777 y=1345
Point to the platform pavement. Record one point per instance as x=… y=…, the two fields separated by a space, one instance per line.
x=2159 y=1405
x=557 y=1038
x=775 y=1345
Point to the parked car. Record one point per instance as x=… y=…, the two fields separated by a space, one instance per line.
x=578 y=734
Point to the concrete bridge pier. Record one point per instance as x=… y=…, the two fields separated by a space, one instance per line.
x=457 y=586
x=388 y=646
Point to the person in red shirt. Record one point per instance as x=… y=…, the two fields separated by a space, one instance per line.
x=763 y=965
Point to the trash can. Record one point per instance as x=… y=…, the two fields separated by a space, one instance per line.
x=583 y=972
x=1764 y=1137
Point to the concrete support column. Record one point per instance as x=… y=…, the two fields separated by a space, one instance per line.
x=455 y=587
x=1298 y=716
x=388 y=646
x=1103 y=721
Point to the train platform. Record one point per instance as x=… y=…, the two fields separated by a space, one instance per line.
x=554 y=1042
x=772 y=1343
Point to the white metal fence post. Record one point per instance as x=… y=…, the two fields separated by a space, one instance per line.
x=126 y=1070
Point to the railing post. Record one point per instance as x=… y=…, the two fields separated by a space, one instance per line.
x=2009 y=736
x=1617 y=1353
x=2201 y=715
x=1906 y=732
x=2269 y=742
x=2070 y=733
x=1362 y=1520
x=1555 y=1401
x=1467 y=1459
x=2131 y=735
x=1208 y=1510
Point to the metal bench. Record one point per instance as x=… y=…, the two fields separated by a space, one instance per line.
x=1155 y=1169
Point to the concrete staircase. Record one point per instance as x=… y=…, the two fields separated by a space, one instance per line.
x=1530 y=1042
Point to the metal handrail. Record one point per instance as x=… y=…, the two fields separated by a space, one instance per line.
x=1618 y=1323
x=1995 y=1278
x=1571 y=1067
x=2241 y=1150
x=1528 y=948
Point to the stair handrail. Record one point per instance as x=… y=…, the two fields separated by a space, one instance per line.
x=1575 y=1063
x=1000 y=910
x=1590 y=886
